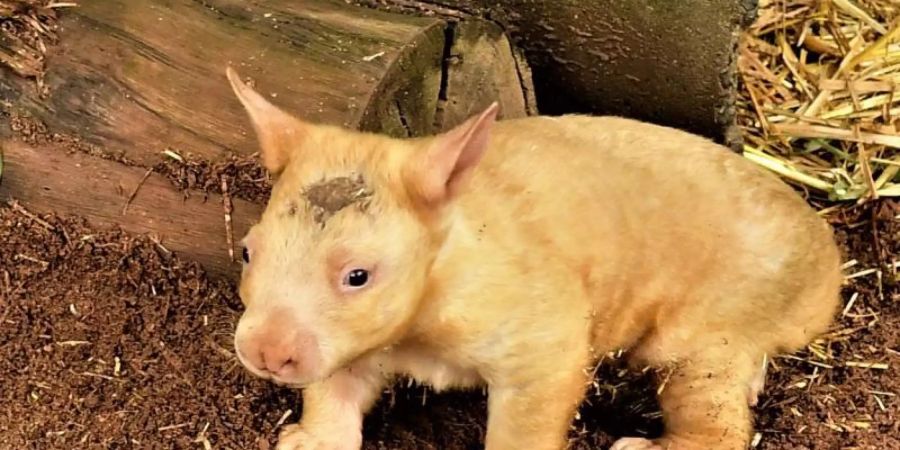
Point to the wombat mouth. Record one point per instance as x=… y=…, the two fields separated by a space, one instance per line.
x=286 y=383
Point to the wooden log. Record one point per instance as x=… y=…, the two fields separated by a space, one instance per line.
x=132 y=78
x=50 y=180
x=671 y=62
x=135 y=77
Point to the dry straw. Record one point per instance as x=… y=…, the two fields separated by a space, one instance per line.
x=820 y=103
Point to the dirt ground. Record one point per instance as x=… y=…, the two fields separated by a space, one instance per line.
x=111 y=342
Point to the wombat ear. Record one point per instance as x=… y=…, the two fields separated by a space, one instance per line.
x=278 y=132
x=451 y=156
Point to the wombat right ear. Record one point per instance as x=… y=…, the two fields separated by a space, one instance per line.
x=439 y=170
x=278 y=132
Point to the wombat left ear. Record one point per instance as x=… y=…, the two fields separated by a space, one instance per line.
x=449 y=158
x=278 y=132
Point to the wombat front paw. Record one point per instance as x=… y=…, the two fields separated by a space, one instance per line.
x=630 y=443
x=295 y=437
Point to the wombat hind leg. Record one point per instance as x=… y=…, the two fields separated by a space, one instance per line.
x=705 y=402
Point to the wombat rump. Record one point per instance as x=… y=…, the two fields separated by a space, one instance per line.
x=513 y=254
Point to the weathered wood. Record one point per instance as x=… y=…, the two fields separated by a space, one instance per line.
x=48 y=180
x=668 y=61
x=138 y=76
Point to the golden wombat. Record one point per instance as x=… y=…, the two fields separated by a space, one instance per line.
x=513 y=254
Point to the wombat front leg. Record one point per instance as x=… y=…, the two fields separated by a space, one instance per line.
x=333 y=412
x=534 y=413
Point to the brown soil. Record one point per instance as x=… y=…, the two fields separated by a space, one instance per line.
x=109 y=342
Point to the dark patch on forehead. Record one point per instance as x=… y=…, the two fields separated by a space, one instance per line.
x=292 y=208
x=331 y=195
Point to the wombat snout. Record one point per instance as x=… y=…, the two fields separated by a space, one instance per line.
x=277 y=347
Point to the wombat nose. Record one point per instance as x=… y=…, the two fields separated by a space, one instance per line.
x=283 y=350
x=277 y=359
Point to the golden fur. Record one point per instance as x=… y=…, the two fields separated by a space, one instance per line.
x=513 y=254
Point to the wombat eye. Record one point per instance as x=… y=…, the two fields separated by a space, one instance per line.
x=245 y=254
x=356 y=278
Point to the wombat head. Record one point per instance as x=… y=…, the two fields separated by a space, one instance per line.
x=338 y=264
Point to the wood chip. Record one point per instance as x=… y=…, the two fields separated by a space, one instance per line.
x=136 y=189
x=227 y=206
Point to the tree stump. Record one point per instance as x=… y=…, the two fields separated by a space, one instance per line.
x=130 y=79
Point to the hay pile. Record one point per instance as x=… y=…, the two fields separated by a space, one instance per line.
x=820 y=101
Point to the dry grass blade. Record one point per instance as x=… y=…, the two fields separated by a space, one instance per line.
x=879 y=47
x=786 y=170
x=817 y=131
x=850 y=8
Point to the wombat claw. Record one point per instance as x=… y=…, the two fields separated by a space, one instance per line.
x=294 y=437
x=758 y=384
x=631 y=443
